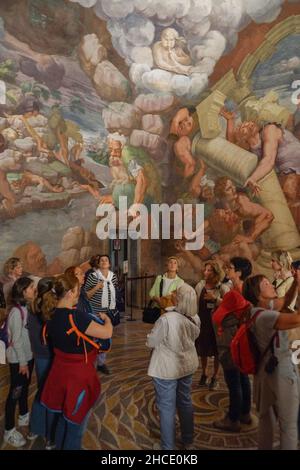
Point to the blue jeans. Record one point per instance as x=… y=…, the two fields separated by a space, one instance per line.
x=172 y=394
x=101 y=358
x=239 y=393
x=69 y=435
x=42 y=421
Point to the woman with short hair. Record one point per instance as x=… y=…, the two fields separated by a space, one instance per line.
x=210 y=291
x=173 y=361
x=276 y=384
x=165 y=284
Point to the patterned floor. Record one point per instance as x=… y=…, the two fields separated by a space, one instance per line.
x=126 y=418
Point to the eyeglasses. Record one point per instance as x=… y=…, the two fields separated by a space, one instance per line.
x=229 y=268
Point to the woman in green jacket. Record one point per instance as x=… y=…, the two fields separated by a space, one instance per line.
x=170 y=283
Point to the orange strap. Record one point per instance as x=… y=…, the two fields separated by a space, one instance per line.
x=44 y=331
x=80 y=334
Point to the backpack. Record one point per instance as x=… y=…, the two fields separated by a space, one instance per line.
x=244 y=348
x=224 y=337
x=4 y=335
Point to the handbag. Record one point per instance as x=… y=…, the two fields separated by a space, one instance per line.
x=113 y=314
x=151 y=313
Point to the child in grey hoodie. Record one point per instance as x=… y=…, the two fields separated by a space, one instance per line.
x=19 y=357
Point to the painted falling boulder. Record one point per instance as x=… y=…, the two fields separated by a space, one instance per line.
x=111 y=84
x=122 y=117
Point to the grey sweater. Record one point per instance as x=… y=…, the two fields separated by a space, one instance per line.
x=19 y=350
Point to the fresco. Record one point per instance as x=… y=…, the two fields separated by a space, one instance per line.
x=106 y=98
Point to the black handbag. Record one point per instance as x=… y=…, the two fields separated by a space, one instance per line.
x=113 y=314
x=151 y=313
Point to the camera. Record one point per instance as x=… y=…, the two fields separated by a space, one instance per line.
x=271 y=364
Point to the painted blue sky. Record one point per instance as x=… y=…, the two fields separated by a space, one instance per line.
x=280 y=70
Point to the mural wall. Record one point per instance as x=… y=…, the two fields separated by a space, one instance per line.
x=159 y=101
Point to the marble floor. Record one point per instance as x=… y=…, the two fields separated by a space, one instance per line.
x=126 y=417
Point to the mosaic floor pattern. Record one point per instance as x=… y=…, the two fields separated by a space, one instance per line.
x=126 y=417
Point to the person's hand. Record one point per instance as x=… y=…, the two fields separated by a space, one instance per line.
x=106 y=199
x=253 y=186
x=57 y=189
x=228 y=115
x=242 y=239
x=23 y=370
x=133 y=211
x=297 y=276
x=104 y=317
x=180 y=245
x=99 y=285
x=209 y=296
x=157 y=300
x=203 y=165
x=195 y=189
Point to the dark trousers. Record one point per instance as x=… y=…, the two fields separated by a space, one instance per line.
x=239 y=393
x=18 y=393
x=42 y=420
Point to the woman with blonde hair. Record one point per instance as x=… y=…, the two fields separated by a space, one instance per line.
x=165 y=284
x=172 y=364
x=210 y=291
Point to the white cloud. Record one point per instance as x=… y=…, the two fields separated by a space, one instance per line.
x=85 y=3
x=162 y=81
x=263 y=11
x=227 y=14
x=137 y=71
x=142 y=55
x=213 y=46
x=287 y=65
x=210 y=28
x=162 y=9
x=117 y=8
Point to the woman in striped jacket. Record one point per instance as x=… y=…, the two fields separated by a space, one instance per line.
x=101 y=288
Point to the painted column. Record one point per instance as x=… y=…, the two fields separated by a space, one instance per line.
x=238 y=164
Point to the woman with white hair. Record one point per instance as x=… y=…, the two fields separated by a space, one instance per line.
x=173 y=361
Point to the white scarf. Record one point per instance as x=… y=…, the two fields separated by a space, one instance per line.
x=107 y=284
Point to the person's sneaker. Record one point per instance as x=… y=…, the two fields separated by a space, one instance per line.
x=50 y=445
x=227 y=425
x=203 y=381
x=246 y=419
x=14 y=438
x=213 y=384
x=31 y=436
x=23 y=420
x=104 y=369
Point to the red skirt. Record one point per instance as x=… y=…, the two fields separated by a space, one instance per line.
x=72 y=386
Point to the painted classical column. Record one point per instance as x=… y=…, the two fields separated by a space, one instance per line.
x=238 y=164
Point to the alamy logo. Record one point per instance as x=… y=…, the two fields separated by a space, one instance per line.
x=137 y=222
x=296 y=353
x=2 y=92
x=295 y=95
